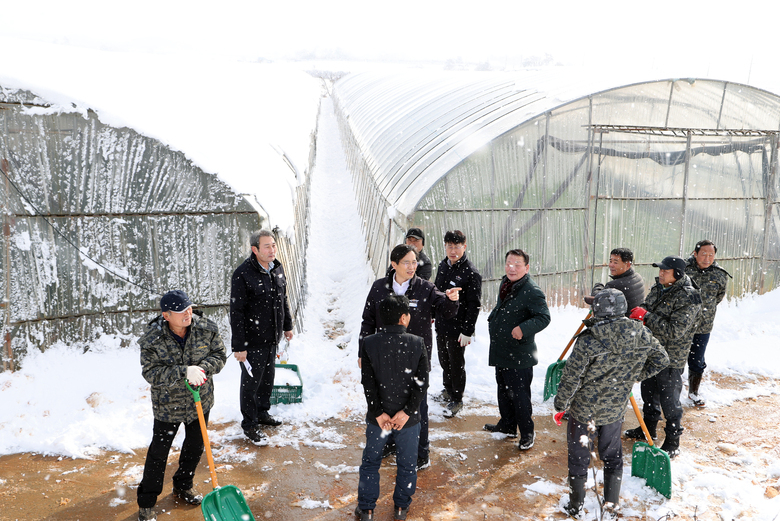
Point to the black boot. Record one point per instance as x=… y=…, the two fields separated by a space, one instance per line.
x=671 y=445
x=694 y=380
x=576 y=495
x=639 y=434
x=612 y=482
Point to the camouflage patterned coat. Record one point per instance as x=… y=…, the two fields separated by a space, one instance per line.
x=164 y=366
x=672 y=316
x=712 y=286
x=607 y=359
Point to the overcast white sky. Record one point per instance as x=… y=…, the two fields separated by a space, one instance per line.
x=703 y=37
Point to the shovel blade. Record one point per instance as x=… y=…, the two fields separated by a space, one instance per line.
x=553 y=378
x=654 y=465
x=226 y=504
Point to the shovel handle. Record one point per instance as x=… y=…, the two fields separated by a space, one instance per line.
x=579 y=330
x=205 y=435
x=641 y=421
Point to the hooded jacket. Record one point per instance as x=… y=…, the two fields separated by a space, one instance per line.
x=712 y=286
x=394 y=373
x=259 y=311
x=608 y=358
x=164 y=365
x=525 y=306
x=462 y=274
x=672 y=316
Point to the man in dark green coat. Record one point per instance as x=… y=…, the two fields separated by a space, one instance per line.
x=520 y=313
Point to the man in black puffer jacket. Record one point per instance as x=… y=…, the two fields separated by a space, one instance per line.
x=259 y=317
x=624 y=279
x=453 y=335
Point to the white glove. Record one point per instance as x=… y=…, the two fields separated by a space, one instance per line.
x=196 y=376
x=464 y=340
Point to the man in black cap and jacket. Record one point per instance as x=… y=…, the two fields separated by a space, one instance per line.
x=671 y=311
x=259 y=317
x=416 y=239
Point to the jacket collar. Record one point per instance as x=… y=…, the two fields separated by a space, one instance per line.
x=627 y=273
x=256 y=265
x=394 y=328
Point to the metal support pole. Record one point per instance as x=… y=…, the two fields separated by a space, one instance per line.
x=771 y=198
x=683 y=221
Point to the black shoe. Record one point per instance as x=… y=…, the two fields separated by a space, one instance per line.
x=389 y=449
x=452 y=409
x=146 y=514
x=671 y=446
x=443 y=397
x=255 y=435
x=190 y=495
x=526 y=441
x=494 y=428
x=400 y=513
x=638 y=434
x=267 y=419
x=423 y=463
x=364 y=515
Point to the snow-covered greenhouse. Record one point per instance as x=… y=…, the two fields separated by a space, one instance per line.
x=100 y=220
x=566 y=167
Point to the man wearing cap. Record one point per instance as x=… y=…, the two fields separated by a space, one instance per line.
x=454 y=334
x=671 y=311
x=178 y=345
x=711 y=279
x=416 y=239
x=259 y=318
x=609 y=356
x=624 y=279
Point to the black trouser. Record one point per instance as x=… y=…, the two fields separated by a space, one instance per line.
x=662 y=393
x=157 y=457
x=453 y=363
x=608 y=443
x=256 y=389
x=514 y=400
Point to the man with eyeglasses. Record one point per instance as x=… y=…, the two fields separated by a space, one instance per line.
x=416 y=239
x=453 y=335
x=521 y=312
x=711 y=279
x=424 y=300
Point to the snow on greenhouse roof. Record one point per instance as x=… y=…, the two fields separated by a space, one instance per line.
x=413 y=127
x=231 y=119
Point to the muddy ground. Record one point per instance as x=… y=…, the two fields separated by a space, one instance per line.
x=473 y=475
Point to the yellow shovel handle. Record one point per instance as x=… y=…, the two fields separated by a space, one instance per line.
x=641 y=421
x=207 y=445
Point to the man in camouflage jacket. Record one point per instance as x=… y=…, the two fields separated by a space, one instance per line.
x=711 y=279
x=609 y=356
x=671 y=311
x=178 y=345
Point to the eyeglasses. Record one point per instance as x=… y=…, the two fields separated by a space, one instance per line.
x=408 y=263
x=454 y=247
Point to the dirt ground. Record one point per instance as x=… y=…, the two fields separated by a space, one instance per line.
x=473 y=476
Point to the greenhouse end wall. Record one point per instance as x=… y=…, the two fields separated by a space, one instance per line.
x=99 y=222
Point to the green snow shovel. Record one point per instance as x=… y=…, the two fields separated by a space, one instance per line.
x=553 y=377
x=223 y=503
x=650 y=462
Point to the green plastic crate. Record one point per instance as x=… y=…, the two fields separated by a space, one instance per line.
x=288 y=393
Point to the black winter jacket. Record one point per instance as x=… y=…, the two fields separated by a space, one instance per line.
x=630 y=283
x=259 y=311
x=423 y=297
x=462 y=274
x=394 y=373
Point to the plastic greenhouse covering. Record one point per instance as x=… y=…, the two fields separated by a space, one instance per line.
x=566 y=173
x=99 y=222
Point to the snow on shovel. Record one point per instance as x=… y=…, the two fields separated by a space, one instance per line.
x=553 y=377
x=650 y=462
x=223 y=503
